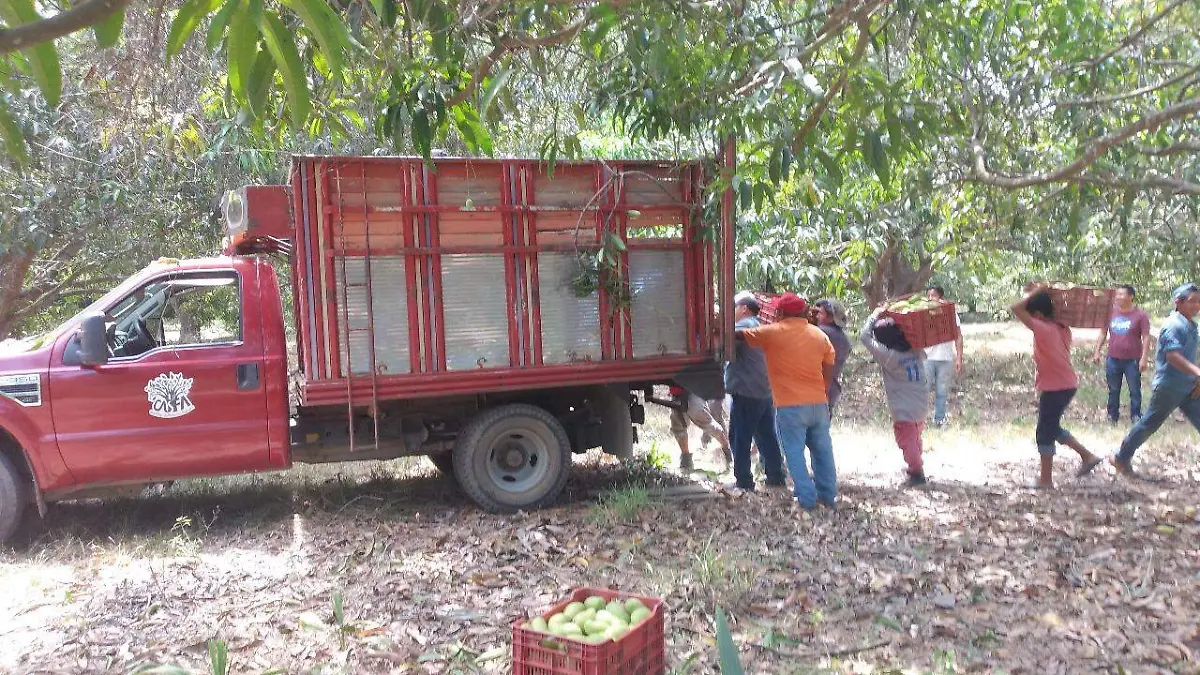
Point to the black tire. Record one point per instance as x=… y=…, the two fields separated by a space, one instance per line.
x=444 y=461
x=513 y=457
x=13 y=499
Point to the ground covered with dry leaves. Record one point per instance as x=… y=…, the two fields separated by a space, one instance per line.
x=388 y=568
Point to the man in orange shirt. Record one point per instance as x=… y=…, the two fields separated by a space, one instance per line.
x=800 y=361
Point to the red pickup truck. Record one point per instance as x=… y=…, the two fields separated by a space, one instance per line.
x=495 y=315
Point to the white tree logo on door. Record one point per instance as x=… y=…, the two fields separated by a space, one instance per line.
x=169 y=396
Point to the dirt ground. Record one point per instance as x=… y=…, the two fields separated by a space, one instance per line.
x=388 y=568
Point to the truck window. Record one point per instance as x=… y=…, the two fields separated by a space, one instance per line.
x=178 y=311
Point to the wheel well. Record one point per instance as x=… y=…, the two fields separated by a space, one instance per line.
x=12 y=450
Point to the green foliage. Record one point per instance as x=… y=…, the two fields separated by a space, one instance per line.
x=727 y=651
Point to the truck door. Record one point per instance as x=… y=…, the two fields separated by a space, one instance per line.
x=182 y=393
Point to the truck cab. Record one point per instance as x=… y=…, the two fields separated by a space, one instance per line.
x=192 y=354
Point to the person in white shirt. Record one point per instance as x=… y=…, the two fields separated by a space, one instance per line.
x=942 y=362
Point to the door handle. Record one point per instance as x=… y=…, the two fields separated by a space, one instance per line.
x=247 y=376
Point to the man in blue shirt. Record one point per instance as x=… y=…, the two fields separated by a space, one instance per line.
x=752 y=412
x=1175 y=376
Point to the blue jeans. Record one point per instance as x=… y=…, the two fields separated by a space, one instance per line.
x=1163 y=402
x=808 y=425
x=940 y=375
x=1116 y=370
x=753 y=419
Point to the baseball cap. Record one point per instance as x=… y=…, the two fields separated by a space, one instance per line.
x=742 y=295
x=790 y=303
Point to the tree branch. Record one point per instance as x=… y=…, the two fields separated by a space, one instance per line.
x=512 y=43
x=1131 y=94
x=981 y=174
x=1133 y=37
x=1176 y=149
x=800 y=140
x=1151 y=181
x=83 y=15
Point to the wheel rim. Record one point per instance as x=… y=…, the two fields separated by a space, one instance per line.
x=518 y=458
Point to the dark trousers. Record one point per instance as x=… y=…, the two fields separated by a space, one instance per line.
x=753 y=420
x=1051 y=406
x=1116 y=370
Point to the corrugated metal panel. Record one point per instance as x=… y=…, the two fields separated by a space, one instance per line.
x=570 y=324
x=658 y=307
x=476 y=311
x=390 y=301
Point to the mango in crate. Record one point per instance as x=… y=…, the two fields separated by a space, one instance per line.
x=916 y=303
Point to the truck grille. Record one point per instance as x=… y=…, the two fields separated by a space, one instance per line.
x=24 y=389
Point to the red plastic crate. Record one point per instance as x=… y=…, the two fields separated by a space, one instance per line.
x=1082 y=306
x=641 y=651
x=927 y=327
x=767 y=313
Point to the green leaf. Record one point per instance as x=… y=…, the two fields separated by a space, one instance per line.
x=495 y=84
x=220 y=21
x=13 y=138
x=831 y=167
x=241 y=44
x=474 y=134
x=876 y=157
x=421 y=136
x=775 y=166
x=386 y=11
x=185 y=22
x=727 y=651
x=895 y=128
x=262 y=74
x=218 y=656
x=108 y=31
x=282 y=46
x=42 y=57
x=327 y=28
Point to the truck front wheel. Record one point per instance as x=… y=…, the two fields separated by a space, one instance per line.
x=512 y=457
x=12 y=498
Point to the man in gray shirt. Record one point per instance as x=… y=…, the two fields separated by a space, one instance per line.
x=906 y=387
x=752 y=412
x=831 y=319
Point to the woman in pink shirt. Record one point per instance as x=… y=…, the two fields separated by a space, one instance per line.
x=1055 y=379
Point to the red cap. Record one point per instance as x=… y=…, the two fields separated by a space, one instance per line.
x=790 y=303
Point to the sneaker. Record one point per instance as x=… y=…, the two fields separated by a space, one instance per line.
x=777 y=484
x=730 y=487
x=915 y=480
x=685 y=463
x=1114 y=421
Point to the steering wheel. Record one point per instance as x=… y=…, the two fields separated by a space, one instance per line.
x=143 y=335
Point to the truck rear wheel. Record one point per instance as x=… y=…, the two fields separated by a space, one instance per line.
x=12 y=498
x=512 y=457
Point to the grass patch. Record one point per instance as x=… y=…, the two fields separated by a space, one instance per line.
x=622 y=505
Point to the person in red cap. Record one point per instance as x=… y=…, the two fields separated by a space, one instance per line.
x=800 y=364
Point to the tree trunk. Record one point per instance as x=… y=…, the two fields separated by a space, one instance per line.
x=894 y=274
x=14 y=266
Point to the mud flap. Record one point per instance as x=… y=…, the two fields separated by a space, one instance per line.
x=616 y=433
x=706 y=381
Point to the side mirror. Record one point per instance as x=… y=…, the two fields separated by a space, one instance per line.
x=93 y=341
